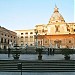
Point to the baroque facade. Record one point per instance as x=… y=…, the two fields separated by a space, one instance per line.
x=7 y=38
x=57 y=33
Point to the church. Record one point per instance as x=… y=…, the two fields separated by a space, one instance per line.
x=56 y=34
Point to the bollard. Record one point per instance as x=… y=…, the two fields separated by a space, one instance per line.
x=20 y=67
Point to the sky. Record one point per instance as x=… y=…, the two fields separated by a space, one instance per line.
x=26 y=14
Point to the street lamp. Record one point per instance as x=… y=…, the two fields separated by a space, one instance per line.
x=36 y=32
x=42 y=37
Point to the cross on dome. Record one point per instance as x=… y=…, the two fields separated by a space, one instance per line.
x=56 y=9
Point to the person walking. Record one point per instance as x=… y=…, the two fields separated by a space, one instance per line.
x=9 y=52
x=26 y=48
x=53 y=51
x=48 y=50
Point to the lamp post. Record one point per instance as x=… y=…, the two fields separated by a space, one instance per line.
x=39 y=50
x=36 y=32
x=42 y=42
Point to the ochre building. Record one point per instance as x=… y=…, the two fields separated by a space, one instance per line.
x=57 y=33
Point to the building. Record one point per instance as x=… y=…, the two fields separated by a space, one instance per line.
x=57 y=33
x=25 y=37
x=7 y=38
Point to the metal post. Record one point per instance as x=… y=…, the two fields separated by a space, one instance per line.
x=41 y=43
x=21 y=71
x=36 y=39
x=36 y=32
x=20 y=67
x=43 y=36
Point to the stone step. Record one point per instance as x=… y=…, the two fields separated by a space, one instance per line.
x=24 y=67
x=15 y=67
x=35 y=67
x=39 y=66
x=32 y=67
x=37 y=61
x=37 y=70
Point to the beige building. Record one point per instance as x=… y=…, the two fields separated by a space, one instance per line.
x=57 y=33
x=7 y=38
x=25 y=37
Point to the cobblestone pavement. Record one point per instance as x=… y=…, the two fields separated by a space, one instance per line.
x=35 y=57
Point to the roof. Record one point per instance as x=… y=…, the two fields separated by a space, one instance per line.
x=56 y=17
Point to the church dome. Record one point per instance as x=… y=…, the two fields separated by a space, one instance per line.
x=56 y=17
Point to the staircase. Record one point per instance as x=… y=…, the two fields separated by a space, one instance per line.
x=38 y=66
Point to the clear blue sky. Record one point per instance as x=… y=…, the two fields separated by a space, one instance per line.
x=25 y=14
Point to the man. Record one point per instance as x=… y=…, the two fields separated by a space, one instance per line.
x=9 y=52
x=26 y=48
x=48 y=50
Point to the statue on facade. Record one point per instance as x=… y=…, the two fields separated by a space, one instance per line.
x=68 y=28
x=57 y=28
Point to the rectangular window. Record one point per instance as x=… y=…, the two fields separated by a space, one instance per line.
x=8 y=41
x=14 y=41
x=4 y=40
x=26 y=38
x=1 y=40
x=31 y=38
x=11 y=40
x=22 y=43
x=69 y=41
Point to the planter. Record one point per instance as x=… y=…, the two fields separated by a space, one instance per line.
x=39 y=57
x=67 y=57
x=39 y=50
x=66 y=52
x=16 y=54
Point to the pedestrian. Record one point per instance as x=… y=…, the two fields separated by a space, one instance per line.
x=53 y=51
x=9 y=52
x=48 y=51
x=26 y=48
